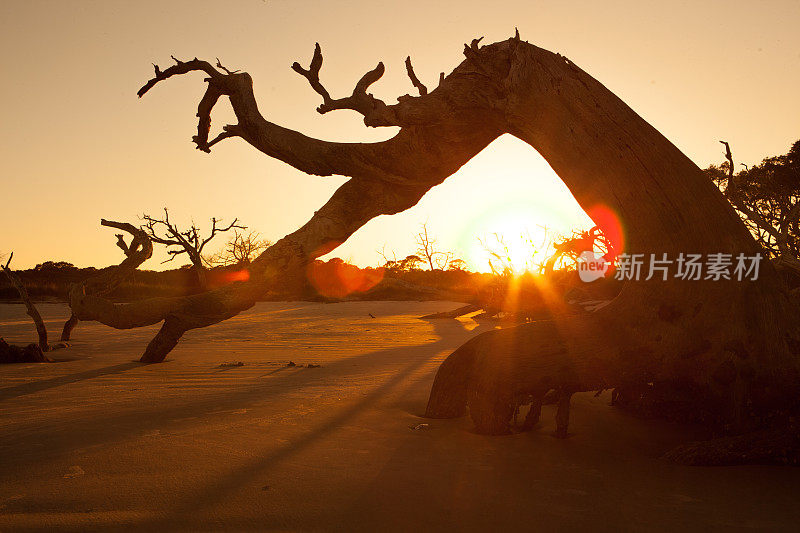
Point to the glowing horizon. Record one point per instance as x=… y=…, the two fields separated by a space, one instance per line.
x=81 y=146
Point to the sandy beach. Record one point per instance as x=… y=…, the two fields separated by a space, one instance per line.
x=98 y=441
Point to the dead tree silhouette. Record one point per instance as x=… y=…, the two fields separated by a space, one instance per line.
x=733 y=344
x=189 y=242
x=137 y=252
x=33 y=352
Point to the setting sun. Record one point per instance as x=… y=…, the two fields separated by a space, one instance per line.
x=515 y=237
x=507 y=189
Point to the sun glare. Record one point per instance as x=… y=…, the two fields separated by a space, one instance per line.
x=517 y=237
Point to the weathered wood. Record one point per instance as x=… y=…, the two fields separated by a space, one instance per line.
x=716 y=336
x=87 y=297
x=109 y=279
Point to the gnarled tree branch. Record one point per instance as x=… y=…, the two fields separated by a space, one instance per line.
x=414 y=80
x=102 y=286
x=213 y=92
x=180 y=67
x=607 y=155
x=359 y=100
x=85 y=298
x=187 y=242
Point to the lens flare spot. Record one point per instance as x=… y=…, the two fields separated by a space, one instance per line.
x=610 y=225
x=236 y=275
x=337 y=279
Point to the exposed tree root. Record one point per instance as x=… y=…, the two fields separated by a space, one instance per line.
x=496 y=372
x=492 y=375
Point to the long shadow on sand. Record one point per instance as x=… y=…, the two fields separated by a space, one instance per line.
x=44 y=384
x=401 y=361
x=92 y=431
x=186 y=510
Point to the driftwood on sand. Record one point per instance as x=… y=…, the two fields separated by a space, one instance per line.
x=731 y=345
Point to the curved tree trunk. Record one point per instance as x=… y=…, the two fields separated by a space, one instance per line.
x=735 y=342
x=86 y=298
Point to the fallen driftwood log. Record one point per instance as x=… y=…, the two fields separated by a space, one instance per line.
x=31 y=353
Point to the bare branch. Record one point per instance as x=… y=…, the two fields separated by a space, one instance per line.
x=312 y=156
x=426 y=246
x=359 y=101
x=180 y=67
x=414 y=80
x=241 y=249
x=151 y=225
x=230 y=130
x=187 y=241
x=85 y=297
x=729 y=157
x=215 y=89
x=172 y=255
x=312 y=74
x=386 y=261
x=215 y=230
x=378 y=168
x=105 y=286
x=121 y=243
x=219 y=65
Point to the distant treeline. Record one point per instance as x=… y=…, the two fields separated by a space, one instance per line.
x=325 y=280
x=53 y=280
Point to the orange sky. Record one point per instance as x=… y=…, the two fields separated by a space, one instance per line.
x=77 y=144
